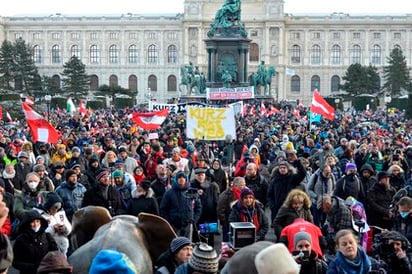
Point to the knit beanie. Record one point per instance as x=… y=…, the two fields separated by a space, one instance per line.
x=109 y=261
x=350 y=166
x=246 y=191
x=117 y=173
x=204 y=259
x=69 y=173
x=100 y=173
x=145 y=184
x=178 y=243
x=301 y=236
x=54 y=262
x=276 y=255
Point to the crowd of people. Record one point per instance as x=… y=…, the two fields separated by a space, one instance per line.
x=337 y=194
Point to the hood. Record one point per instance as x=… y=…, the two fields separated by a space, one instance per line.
x=252 y=147
x=29 y=216
x=367 y=167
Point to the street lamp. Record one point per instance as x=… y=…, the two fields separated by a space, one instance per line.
x=387 y=99
x=48 y=98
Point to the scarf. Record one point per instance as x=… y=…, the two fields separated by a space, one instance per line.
x=236 y=193
x=361 y=264
x=7 y=175
x=249 y=214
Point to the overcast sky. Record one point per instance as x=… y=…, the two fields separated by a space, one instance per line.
x=68 y=7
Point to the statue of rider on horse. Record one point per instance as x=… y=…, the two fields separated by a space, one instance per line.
x=192 y=81
x=262 y=78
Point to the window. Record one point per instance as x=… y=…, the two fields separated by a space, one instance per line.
x=315 y=83
x=254 y=33
x=113 y=54
x=75 y=51
x=133 y=83
x=334 y=83
x=152 y=35
x=253 y=52
x=377 y=35
x=55 y=54
x=36 y=36
x=18 y=35
x=94 y=36
x=171 y=83
x=113 y=81
x=397 y=35
x=193 y=33
x=132 y=35
x=94 y=82
x=152 y=54
x=295 y=54
x=356 y=54
x=37 y=54
x=56 y=35
x=152 y=82
x=133 y=54
x=397 y=47
x=315 y=55
x=75 y=35
x=336 y=35
x=172 y=54
x=336 y=55
x=316 y=35
x=376 y=55
x=295 y=83
x=113 y=35
x=295 y=35
x=356 y=35
x=172 y=35
x=94 y=55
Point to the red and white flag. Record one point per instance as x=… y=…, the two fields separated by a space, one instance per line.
x=296 y=113
x=28 y=100
x=263 y=110
x=8 y=117
x=40 y=128
x=273 y=110
x=1 y=113
x=252 y=111
x=244 y=109
x=149 y=120
x=320 y=106
x=82 y=108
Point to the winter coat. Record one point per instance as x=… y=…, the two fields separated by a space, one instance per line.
x=72 y=197
x=147 y=204
x=350 y=185
x=160 y=187
x=379 y=200
x=319 y=186
x=26 y=201
x=404 y=226
x=259 y=186
x=30 y=247
x=208 y=199
x=226 y=198
x=95 y=197
x=370 y=181
x=286 y=216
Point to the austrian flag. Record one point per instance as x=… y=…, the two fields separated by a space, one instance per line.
x=320 y=106
x=150 y=120
x=40 y=128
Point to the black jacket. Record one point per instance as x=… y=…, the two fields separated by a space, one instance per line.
x=94 y=197
x=147 y=204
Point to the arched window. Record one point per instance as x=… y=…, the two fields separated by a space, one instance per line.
x=172 y=54
x=152 y=54
x=133 y=83
x=336 y=55
x=75 y=51
x=37 y=54
x=113 y=81
x=133 y=54
x=315 y=83
x=334 y=83
x=113 y=54
x=315 y=55
x=94 y=82
x=397 y=47
x=295 y=83
x=152 y=81
x=376 y=55
x=356 y=54
x=295 y=58
x=55 y=82
x=171 y=83
x=56 y=54
x=253 y=52
x=94 y=55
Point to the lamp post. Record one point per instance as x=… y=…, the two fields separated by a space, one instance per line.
x=387 y=99
x=48 y=100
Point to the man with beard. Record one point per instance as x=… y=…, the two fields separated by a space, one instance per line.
x=256 y=182
x=162 y=183
x=208 y=192
x=379 y=200
x=72 y=193
x=350 y=185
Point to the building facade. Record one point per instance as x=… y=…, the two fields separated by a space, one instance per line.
x=144 y=52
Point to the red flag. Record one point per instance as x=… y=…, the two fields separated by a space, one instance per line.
x=8 y=117
x=320 y=106
x=82 y=109
x=252 y=110
x=244 y=109
x=1 y=113
x=40 y=128
x=296 y=113
x=150 y=120
x=29 y=100
x=273 y=110
x=262 y=109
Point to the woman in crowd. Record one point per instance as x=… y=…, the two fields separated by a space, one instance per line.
x=143 y=200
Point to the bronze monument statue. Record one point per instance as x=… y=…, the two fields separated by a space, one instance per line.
x=228 y=16
x=262 y=78
x=192 y=80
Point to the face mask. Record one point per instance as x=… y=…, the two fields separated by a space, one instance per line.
x=32 y=185
x=404 y=214
x=36 y=229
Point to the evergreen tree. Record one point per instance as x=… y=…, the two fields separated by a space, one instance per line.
x=360 y=80
x=396 y=73
x=7 y=66
x=74 y=78
x=26 y=71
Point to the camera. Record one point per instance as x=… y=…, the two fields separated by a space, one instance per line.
x=209 y=228
x=395 y=157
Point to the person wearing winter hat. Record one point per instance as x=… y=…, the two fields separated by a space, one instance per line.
x=179 y=252
x=143 y=200
x=104 y=194
x=112 y=261
x=54 y=262
x=204 y=260
x=126 y=189
x=46 y=183
x=304 y=255
x=275 y=259
x=350 y=185
x=248 y=209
